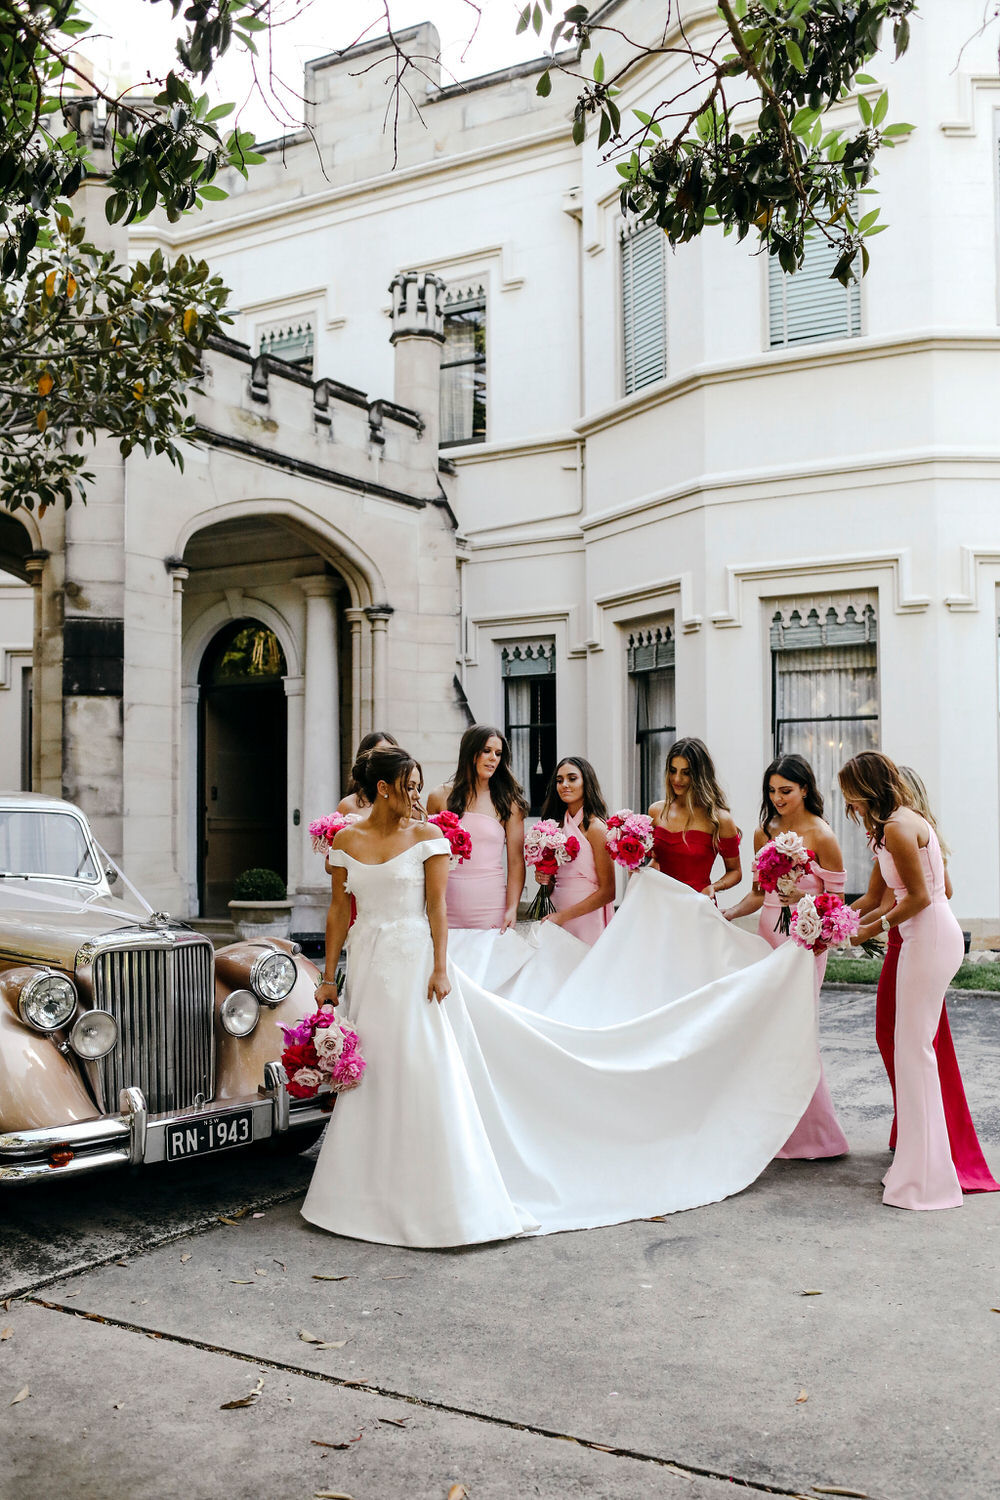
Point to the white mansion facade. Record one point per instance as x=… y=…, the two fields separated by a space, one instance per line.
x=690 y=496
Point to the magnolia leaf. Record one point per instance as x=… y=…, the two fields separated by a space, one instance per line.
x=6 y=1333
x=22 y=1395
x=458 y=1492
x=234 y=1282
x=810 y=1294
x=244 y=1400
x=802 y=1396
x=318 y=1276
x=394 y=1421
x=186 y=1256
x=321 y=1443
x=332 y=1495
x=836 y=1489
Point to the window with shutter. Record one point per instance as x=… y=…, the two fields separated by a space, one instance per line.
x=644 y=306
x=808 y=306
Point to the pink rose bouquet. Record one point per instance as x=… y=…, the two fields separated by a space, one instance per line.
x=321 y=1056
x=325 y=830
x=546 y=848
x=450 y=826
x=630 y=839
x=823 y=919
x=778 y=868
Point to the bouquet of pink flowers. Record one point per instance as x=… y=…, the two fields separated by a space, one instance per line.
x=779 y=867
x=823 y=919
x=321 y=1056
x=325 y=830
x=630 y=839
x=458 y=838
x=546 y=848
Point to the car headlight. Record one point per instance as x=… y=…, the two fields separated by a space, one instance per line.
x=273 y=977
x=47 y=1001
x=94 y=1034
x=239 y=1012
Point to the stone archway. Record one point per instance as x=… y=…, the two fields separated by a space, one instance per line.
x=19 y=560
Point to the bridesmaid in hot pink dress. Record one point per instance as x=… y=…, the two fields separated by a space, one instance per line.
x=792 y=803
x=692 y=827
x=484 y=890
x=923 y=1173
x=583 y=891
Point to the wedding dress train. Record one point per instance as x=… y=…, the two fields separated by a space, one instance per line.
x=558 y=1086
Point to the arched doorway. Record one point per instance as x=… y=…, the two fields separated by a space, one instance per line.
x=17 y=627
x=242 y=760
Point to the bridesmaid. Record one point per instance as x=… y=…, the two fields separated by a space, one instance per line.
x=692 y=827
x=973 y=1173
x=584 y=890
x=923 y=1173
x=791 y=803
x=485 y=794
x=355 y=801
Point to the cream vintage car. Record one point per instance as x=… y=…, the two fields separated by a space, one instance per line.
x=124 y=1039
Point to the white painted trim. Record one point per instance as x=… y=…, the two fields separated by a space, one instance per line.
x=307 y=301
x=201 y=630
x=452 y=267
x=970 y=561
x=673 y=595
x=9 y=657
x=808 y=569
x=969 y=84
x=562 y=620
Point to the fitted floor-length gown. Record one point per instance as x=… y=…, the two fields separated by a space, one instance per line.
x=661 y=1072
x=923 y=1174
x=818 y=1134
x=477 y=888
x=575 y=882
x=974 y=1175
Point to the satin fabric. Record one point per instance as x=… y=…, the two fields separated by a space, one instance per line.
x=689 y=857
x=598 y=1085
x=923 y=1173
x=974 y=1176
x=575 y=882
x=477 y=888
x=818 y=1133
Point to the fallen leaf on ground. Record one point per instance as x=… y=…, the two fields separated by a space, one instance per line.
x=834 y=1489
x=71 y=1294
x=6 y=1303
x=320 y=1443
x=332 y=1495
x=185 y=1256
x=224 y=1220
x=239 y=1281
x=318 y=1277
x=404 y=1277
x=601 y=1447
x=277 y=1262
x=457 y=1492
x=118 y=1405
x=257 y=1216
x=22 y=1394
x=394 y=1421
x=148 y=1335
x=244 y=1400
x=6 y=1333
x=121 y=1262
x=654 y=1219
x=258 y=1272
x=802 y=1396
x=318 y=1343
x=992 y=1309
x=810 y=1294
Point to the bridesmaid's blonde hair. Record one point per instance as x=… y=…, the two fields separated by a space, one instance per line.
x=920 y=803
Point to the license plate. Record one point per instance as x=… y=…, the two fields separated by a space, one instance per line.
x=217 y=1133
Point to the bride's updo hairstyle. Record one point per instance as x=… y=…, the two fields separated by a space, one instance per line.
x=386 y=763
x=704 y=791
x=594 y=805
x=505 y=789
x=797 y=769
x=368 y=742
x=871 y=781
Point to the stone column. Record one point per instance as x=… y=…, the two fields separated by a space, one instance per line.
x=379 y=615
x=297 y=849
x=190 y=793
x=417 y=339
x=321 y=729
x=181 y=789
x=360 y=724
x=34 y=565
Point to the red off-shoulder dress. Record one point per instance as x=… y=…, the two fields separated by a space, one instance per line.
x=689 y=857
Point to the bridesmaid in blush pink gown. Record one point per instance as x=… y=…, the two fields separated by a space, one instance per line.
x=484 y=890
x=792 y=803
x=583 y=891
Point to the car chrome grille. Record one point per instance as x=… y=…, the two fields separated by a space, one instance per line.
x=163 y=1001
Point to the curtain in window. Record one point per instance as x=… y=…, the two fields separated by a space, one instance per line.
x=518 y=705
x=826 y=708
x=463 y=374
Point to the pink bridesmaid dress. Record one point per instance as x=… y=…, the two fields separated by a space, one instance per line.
x=477 y=888
x=818 y=1133
x=923 y=1172
x=575 y=882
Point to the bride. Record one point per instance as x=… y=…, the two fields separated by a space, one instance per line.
x=562 y=1088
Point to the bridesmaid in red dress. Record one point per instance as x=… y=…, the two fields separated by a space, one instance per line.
x=692 y=827
x=791 y=803
x=584 y=890
x=484 y=890
x=974 y=1176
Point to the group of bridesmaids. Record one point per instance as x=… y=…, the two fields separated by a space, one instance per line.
x=936 y=1152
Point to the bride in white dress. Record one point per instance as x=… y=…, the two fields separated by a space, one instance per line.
x=562 y=1087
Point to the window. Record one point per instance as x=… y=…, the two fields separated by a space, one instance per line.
x=291 y=341
x=529 y=697
x=463 y=368
x=644 y=306
x=824 y=666
x=651 y=681
x=809 y=306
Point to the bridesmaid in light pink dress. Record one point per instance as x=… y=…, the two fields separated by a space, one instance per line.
x=484 y=890
x=582 y=891
x=792 y=803
x=923 y=1174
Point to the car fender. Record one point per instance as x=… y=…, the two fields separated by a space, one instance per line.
x=38 y=1085
x=239 y=1061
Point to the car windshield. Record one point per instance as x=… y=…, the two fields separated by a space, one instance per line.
x=49 y=844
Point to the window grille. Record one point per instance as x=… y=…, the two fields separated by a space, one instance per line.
x=644 y=306
x=463 y=368
x=292 y=342
x=528 y=670
x=808 y=306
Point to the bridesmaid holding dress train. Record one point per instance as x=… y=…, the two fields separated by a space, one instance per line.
x=583 y=891
x=791 y=803
x=484 y=890
x=692 y=827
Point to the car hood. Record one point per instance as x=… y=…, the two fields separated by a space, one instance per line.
x=52 y=930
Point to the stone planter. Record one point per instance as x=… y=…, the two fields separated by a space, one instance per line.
x=256 y=919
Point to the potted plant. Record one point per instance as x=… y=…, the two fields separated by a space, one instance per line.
x=260 y=906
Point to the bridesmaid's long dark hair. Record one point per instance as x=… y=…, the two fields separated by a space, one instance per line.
x=505 y=789
x=368 y=742
x=594 y=805
x=794 y=768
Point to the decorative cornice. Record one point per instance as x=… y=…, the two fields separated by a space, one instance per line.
x=972 y=559
x=905 y=601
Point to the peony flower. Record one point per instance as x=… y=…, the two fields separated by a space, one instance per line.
x=298 y=1055
x=572 y=846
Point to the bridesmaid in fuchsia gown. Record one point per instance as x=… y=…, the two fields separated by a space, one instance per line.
x=583 y=890
x=484 y=890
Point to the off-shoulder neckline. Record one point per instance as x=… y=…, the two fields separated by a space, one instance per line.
x=376 y=864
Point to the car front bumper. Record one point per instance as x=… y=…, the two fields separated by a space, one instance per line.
x=134 y=1137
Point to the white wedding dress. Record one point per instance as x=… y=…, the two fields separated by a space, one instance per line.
x=558 y=1086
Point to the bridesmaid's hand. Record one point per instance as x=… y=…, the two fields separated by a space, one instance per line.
x=509 y=918
x=709 y=891
x=438 y=988
x=546 y=882
x=557 y=918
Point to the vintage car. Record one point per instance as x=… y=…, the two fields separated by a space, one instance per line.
x=124 y=1039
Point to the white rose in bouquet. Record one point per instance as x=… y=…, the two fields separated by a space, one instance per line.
x=329 y=1043
x=787 y=884
x=790 y=844
x=808 y=923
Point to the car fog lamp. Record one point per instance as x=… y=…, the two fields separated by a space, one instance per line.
x=273 y=977
x=47 y=1001
x=240 y=1012
x=94 y=1034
